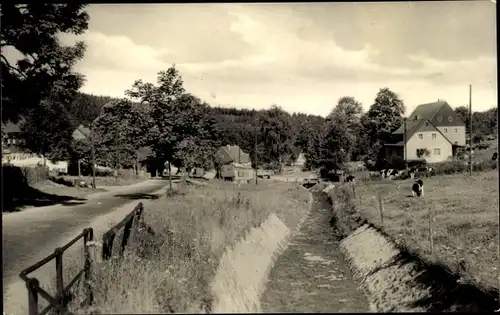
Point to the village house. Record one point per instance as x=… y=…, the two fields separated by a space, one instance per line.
x=434 y=133
x=235 y=164
x=13 y=153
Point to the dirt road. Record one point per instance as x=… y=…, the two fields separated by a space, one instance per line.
x=25 y=232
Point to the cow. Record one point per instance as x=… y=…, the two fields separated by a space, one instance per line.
x=418 y=188
x=350 y=178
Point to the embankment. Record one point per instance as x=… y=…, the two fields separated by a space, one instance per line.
x=395 y=279
x=243 y=269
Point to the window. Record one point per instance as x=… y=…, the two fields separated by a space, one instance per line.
x=437 y=151
x=445 y=130
x=455 y=130
x=450 y=118
x=456 y=142
x=440 y=118
x=415 y=118
x=420 y=136
x=8 y=141
x=433 y=136
x=13 y=141
x=427 y=123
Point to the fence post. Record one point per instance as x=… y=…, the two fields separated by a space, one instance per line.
x=59 y=278
x=88 y=237
x=431 y=238
x=107 y=244
x=353 y=190
x=381 y=208
x=32 y=285
x=126 y=234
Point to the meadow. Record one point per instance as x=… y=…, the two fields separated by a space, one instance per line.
x=464 y=220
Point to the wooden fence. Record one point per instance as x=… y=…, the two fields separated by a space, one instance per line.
x=61 y=300
x=131 y=220
x=130 y=225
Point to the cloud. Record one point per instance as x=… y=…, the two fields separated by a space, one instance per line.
x=258 y=55
x=117 y=52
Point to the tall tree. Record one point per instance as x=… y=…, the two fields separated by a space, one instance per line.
x=347 y=113
x=383 y=117
x=30 y=30
x=123 y=128
x=179 y=118
x=276 y=128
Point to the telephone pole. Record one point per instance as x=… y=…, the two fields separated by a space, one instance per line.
x=404 y=144
x=256 y=166
x=470 y=129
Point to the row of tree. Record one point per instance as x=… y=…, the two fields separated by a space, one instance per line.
x=172 y=124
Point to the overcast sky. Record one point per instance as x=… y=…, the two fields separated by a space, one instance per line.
x=303 y=57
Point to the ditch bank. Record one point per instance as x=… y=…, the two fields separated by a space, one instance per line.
x=393 y=278
x=244 y=268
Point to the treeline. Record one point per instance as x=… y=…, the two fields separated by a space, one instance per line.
x=162 y=121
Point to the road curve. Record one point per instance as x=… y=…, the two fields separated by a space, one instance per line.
x=25 y=232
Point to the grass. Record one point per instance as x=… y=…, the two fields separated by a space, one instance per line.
x=464 y=212
x=172 y=270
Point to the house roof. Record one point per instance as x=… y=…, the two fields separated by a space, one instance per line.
x=12 y=128
x=426 y=111
x=233 y=153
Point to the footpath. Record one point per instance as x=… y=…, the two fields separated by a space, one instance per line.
x=311 y=274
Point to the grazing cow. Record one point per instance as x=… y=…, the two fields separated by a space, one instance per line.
x=494 y=157
x=418 y=188
x=350 y=178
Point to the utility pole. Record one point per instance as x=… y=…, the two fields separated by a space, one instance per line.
x=404 y=144
x=255 y=153
x=93 y=159
x=470 y=129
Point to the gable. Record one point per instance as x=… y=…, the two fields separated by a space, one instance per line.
x=441 y=118
x=427 y=128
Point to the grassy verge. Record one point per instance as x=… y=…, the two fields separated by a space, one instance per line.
x=464 y=220
x=171 y=271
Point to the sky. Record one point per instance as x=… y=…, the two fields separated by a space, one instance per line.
x=300 y=56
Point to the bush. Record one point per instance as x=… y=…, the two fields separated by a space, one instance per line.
x=454 y=167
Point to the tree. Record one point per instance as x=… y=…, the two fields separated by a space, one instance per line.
x=123 y=129
x=45 y=66
x=463 y=113
x=48 y=131
x=347 y=113
x=383 y=118
x=179 y=119
x=275 y=129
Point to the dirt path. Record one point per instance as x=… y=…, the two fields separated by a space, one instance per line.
x=27 y=231
x=311 y=275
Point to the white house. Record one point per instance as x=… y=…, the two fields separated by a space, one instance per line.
x=433 y=132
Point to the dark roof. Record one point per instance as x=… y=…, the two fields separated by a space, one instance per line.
x=233 y=153
x=427 y=111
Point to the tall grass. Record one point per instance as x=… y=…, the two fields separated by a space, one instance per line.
x=171 y=271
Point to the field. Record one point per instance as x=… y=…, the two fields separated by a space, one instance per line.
x=464 y=213
x=171 y=271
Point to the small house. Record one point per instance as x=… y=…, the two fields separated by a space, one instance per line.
x=234 y=164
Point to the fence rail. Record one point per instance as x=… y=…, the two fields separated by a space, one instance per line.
x=128 y=226
x=61 y=300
